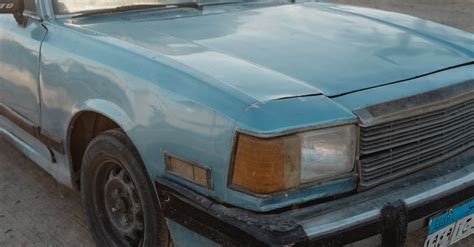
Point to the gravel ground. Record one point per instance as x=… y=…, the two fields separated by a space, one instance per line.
x=37 y=211
x=34 y=209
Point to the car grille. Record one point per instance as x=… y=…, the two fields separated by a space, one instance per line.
x=402 y=146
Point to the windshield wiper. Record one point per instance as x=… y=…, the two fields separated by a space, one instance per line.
x=136 y=7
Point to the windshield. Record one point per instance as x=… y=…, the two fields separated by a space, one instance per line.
x=77 y=6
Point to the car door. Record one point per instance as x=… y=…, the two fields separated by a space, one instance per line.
x=20 y=45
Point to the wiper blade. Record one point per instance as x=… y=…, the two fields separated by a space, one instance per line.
x=136 y=7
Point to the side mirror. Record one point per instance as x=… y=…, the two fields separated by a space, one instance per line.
x=12 y=6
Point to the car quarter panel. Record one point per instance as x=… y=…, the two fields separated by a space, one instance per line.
x=83 y=71
x=165 y=106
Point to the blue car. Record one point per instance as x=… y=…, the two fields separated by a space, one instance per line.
x=244 y=123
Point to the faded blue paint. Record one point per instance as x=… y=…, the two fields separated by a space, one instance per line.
x=406 y=89
x=293 y=49
x=19 y=63
x=186 y=85
x=294 y=197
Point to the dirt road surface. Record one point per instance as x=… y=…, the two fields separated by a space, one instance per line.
x=37 y=211
x=34 y=209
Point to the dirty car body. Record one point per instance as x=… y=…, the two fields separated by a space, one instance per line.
x=377 y=105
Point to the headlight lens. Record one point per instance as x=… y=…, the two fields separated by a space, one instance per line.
x=265 y=166
x=327 y=152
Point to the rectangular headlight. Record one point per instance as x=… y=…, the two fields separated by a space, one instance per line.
x=328 y=152
x=269 y=165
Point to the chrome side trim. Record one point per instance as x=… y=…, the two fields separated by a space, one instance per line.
x=413 y=105
x=440 y=191
x=46 y=138
x=63 y=176
x=314 y=231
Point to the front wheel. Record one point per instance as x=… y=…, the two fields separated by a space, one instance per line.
x=119 y=200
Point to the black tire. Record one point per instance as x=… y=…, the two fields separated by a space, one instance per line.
x=114 y=188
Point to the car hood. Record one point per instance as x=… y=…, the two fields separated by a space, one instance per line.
x=292 y=50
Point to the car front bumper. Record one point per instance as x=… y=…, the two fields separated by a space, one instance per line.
x=390 y=211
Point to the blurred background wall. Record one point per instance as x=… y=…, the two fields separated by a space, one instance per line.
x=455 y=13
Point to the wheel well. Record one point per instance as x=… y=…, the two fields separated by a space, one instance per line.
x=85 y=127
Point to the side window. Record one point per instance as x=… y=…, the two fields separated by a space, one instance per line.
x=30 y=7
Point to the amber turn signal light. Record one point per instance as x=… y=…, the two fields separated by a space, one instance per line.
x=265 y=166
x=188 y=171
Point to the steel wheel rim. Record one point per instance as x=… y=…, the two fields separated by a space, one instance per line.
x=119 y=204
